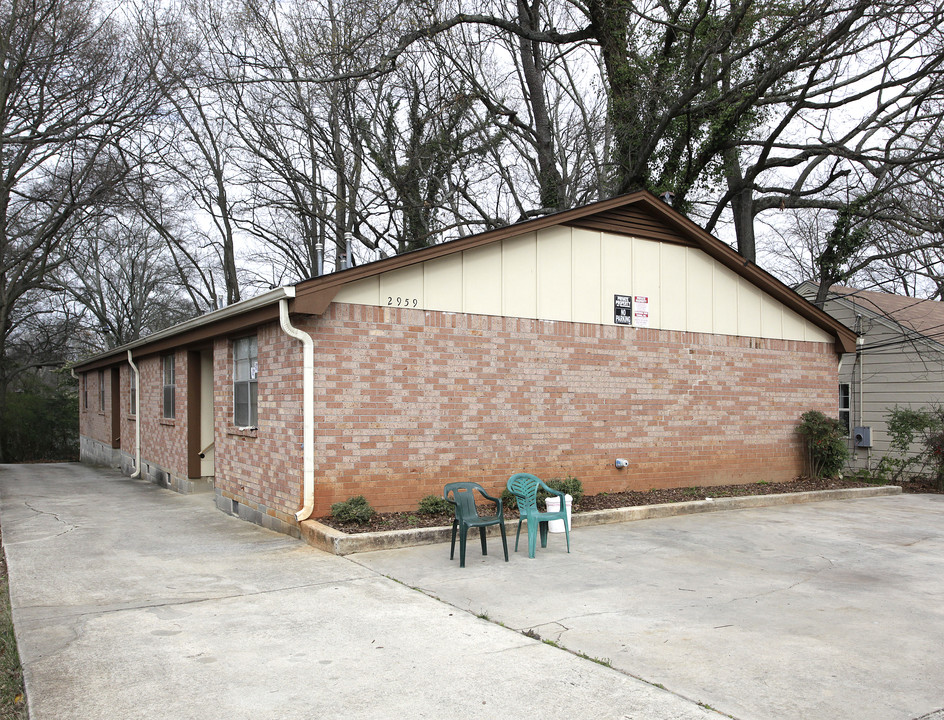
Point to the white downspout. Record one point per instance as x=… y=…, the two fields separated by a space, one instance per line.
x=308 y=407
x=137 y=421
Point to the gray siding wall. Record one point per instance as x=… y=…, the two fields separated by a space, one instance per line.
x=909 y=374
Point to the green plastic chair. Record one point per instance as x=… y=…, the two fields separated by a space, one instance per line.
x=467 y=515
x=524 y=487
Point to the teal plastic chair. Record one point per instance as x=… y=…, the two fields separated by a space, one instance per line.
x=462 y=497
x=524 y=487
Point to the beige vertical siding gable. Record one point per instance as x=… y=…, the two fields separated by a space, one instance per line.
x=572 y=274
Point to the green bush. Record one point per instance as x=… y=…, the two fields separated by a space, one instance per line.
x=569 y=485
x=827 y=450
x=509 y=501
x=916 y=447
x=435 y=505
x=355 y=509
x=908 y=431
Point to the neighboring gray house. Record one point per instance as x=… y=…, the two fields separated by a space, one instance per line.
x=899 y=361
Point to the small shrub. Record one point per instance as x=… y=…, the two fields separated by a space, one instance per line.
x=355 y=509
x=876 y=476
x=435 y=505
x=827 y=450
x=569 y=486
x=509 y=501
x=908 y=431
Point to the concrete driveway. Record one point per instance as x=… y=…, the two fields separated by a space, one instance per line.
x=826 y=610
x=133 y=602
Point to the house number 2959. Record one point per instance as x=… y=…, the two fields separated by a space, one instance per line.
x=401 y=301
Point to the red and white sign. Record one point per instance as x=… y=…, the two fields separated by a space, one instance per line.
x=641 y=310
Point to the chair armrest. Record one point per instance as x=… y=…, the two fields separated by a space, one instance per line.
x=497 y=501
x=552 y=491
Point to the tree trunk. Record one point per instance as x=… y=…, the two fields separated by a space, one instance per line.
x=610 y=20
x=742 y=205
x=549 y=179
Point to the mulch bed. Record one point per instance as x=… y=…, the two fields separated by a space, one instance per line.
x=604 y=501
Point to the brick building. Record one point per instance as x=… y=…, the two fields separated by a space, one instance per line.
x=554 y=346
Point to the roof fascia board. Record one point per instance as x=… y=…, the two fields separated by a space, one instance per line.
x=313 y=296
x=232 y=318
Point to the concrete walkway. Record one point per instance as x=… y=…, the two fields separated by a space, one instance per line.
x=133 y=602
x=130 y=601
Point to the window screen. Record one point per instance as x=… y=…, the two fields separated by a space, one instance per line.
x=245 y=389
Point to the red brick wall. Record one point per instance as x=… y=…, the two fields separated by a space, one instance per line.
x=407 y=400
x=93 y=422
x=163 y=441
x=263 y=467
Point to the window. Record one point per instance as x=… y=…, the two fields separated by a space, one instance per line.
x=168 y=365
x=101 y=391
x=85 y=391
x=245 y=392
x=133 y=398
x=844 y=406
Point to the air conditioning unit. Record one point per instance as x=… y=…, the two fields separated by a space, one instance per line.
x=862 y=437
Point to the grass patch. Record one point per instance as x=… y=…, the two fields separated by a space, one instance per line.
x=12 y=693
x=605 y=662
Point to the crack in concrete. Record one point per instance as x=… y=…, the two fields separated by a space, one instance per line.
x=915 y=542
x=484 y=615
x=934 y=715
x=46 y=512
x=69 y=527
x=789 y=587
x=106 y=610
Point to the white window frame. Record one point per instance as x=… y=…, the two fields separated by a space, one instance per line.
x=168 y=375
x=245 y=382
x=845 y=407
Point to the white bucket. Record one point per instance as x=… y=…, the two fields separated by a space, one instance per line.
x=553 y=505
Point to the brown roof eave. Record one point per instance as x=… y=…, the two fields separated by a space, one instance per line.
x=200 y=331
x=313 y=296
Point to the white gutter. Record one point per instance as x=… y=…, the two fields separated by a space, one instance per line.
x=308 y=406
x=137 y=422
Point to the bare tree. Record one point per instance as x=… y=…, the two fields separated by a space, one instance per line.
x=70 y=89
x=845 y=128
x=123 y=281
x=301 y=159
x=188 y=158
x=423 y=137
x=706 y=99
